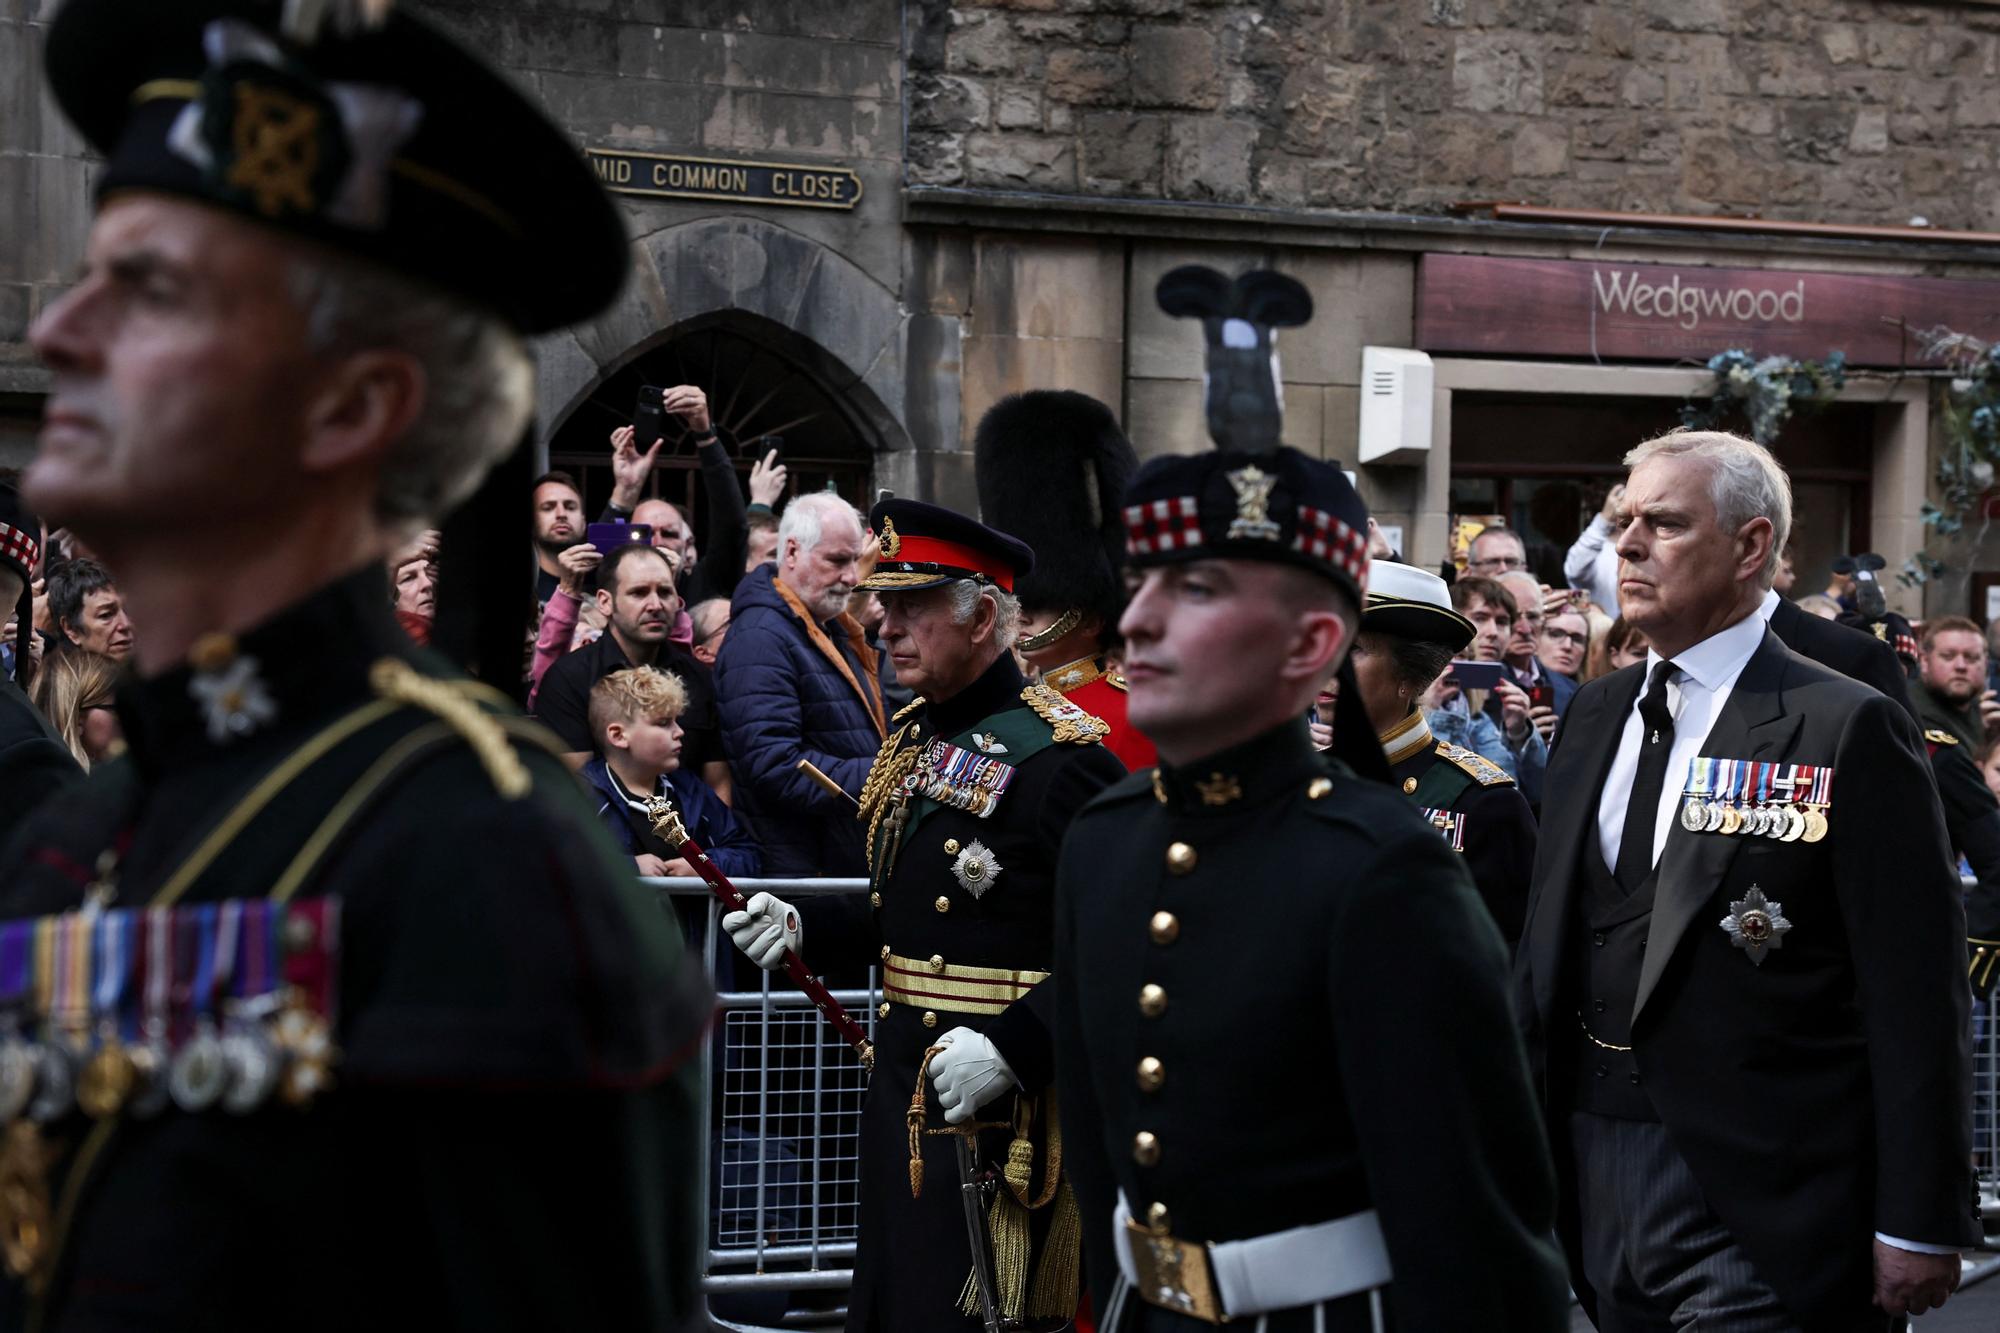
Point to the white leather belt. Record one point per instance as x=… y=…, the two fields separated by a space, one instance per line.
x=1230 y=1279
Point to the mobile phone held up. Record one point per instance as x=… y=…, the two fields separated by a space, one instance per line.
x=1476 y=675
x=608 y=537
x=766 y=445
x=649 y=418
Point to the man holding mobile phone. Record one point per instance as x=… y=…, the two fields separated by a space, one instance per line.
x=1548 y=693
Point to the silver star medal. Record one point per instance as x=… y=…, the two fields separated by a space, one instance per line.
x=1755 y=924
x=975 y=869
x=233 y=699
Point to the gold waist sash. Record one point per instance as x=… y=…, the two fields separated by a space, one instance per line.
x=936 y=984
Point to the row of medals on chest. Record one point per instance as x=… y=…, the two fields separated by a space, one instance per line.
x=1737 y=797
x=129 y=1011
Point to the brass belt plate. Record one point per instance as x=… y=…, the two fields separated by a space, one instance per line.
x=1174 y=1274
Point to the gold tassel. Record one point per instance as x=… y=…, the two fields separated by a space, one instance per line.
x=1007 y=1222
x=1019 y=1172
x=1057 y=1277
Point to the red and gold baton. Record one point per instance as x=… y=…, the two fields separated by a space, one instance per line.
x=667 y=824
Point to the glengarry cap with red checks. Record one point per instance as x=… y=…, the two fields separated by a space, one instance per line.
x=1278 y=506
x=20 y=534
x=20 y=547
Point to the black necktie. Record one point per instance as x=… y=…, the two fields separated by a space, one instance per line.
x=1642 y=810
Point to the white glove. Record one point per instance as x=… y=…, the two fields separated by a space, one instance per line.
x=765 y=930
x=969 y=1073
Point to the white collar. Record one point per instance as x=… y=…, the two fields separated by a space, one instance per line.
x=1768 y=605
x=1719 y=659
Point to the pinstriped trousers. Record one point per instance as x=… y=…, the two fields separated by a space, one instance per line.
x=1657 y=1257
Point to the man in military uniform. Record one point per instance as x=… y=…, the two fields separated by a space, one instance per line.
x=1051 y=466
x=1409 y=635
x=965 y=807
x=1290 y=1092
x=299 y=336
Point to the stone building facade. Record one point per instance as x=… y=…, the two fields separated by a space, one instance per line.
x=951 y=200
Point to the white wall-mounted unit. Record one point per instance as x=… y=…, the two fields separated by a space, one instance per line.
x=1396 y=385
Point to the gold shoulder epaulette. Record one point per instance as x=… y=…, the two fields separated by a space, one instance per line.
x=1483 y=770
x=908 y=708
x=1938 y=736
x=1072 y=725
x=1116 y=679
x=400 y=682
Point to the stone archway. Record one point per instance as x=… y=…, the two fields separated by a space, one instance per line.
x=822 y=309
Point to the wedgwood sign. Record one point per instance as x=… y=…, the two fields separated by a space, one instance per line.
x=1652 y=312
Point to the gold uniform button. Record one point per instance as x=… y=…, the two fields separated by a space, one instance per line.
x=884 y=1010
x=1146 y=1148
x=1319 y=787
x=937 y=962
x=1166 y=927
x=885 y=953
x=1152 y=1000
x=943 y=903
x=1156 y=1217
x=915 y=731
x=1409 y=785
x=1180 y=858
x=1151 y=1074
x=930 y=1019
x=875 y=900
x=951 y=846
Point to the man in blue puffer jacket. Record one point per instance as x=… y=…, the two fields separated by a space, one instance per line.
x=796 y=680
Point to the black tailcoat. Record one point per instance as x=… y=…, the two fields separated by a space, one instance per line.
x=1333 y=1032
x=1846 y=649
x=1821 y=1096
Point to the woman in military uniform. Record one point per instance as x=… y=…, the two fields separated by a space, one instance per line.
x=1409 y=634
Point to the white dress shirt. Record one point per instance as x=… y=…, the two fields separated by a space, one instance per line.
x=1695 y=696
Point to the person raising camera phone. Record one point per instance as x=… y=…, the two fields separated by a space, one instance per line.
x=681 y=413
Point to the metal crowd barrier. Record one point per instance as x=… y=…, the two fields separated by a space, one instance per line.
x=782 y=1117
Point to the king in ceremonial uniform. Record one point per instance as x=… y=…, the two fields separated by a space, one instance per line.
x=1291 y=1093
x=327 y=1006
x=1051 y=466
x=965 y=807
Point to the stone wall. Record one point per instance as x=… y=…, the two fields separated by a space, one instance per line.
x=1835 y=110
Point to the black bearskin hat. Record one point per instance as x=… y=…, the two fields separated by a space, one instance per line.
x=1051 y=467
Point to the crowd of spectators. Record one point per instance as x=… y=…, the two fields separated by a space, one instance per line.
x=715 y=666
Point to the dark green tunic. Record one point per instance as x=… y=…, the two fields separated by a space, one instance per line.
x=512 y=1143
x=1333 y=1032
x=914 y=1253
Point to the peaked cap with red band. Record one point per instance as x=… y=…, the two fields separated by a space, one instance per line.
x=926 y=546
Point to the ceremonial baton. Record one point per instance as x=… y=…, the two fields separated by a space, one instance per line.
x=827 y=784
x=667 y=824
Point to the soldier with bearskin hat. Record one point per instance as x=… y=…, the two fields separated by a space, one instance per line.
x=1051 y=467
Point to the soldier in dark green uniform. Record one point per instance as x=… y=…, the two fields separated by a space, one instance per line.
x=965 y=807
x=298 y=334
x=1291 y=1092
x=1409 y=634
